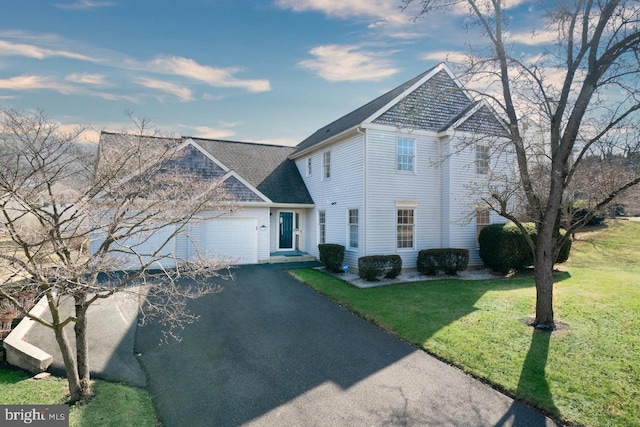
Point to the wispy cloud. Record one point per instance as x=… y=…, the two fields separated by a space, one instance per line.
x=338 y=63
x=88 y=79
x=52 y=83
x=85 y=5
x=187 y=70
x=37 y=52
x=217 y=77
x=211 y=132
x=381 y=11
x=34 y=82
x=181 y=92
x=446 y=56
x=534 y=38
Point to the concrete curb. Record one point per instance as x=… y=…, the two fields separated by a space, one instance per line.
x=22 y=354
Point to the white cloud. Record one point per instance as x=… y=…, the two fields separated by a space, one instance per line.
x=386 y=11
x=33 y=82
x=49 y=46
x=211 y=133
x=181 y=92
x=217 y=77
x=445 y=56
x=348 y=63
x=88 y=79
x=533 y=38
x=32 y=51
x=85 y=5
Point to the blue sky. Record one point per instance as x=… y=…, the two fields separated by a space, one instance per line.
x=269 y=71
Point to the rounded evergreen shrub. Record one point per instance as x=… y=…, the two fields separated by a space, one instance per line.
x=373 y=267
x=504 y=248
x=448 y=260
x=331 y=255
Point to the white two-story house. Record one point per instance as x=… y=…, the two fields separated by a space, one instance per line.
x=397 y=175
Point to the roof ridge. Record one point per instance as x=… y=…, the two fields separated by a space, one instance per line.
x=227 y=141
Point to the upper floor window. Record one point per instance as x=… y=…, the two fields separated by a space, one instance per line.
x=353 y=228
x=322 y=228
x=326 y=165
x=482 y=159
x=308 y=166
x=405 y=155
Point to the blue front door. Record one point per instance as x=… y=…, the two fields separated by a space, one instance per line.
x=286 y=230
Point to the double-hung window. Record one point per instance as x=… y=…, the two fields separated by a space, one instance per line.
x=406 y=230
x=482 y=159
x=353 y=228
x=483 y=218
x=322 y=227
x=326 y=165
x=405 y=155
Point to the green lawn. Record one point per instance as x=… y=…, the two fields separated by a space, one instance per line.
x=113 y=405
x=587 y=372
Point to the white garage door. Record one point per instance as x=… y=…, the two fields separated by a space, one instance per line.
x=234 y=237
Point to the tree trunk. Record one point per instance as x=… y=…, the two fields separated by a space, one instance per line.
x=70 y=367
x=82 y=346
x=544 y=262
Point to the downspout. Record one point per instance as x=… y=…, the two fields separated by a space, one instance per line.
x=364 y=189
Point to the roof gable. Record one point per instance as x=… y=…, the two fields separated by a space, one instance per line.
x=432 y=101
x=358 y=116
x=429 y=106
x=265 y=167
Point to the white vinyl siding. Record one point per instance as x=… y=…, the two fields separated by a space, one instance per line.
x=344 y=190
x=386 y=187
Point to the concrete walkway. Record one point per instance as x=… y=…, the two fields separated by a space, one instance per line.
x=269 y=351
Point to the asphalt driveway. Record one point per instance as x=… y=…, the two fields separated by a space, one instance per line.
x=269 y=351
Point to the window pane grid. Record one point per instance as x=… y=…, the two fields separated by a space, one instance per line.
x=405 y=155
x=482 y=160
x=353 y=228
x=405 y=228
x=326 y=164
x=322 y=226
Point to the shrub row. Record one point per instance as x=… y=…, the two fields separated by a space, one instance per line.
x=447 y=260
x=375 y=267
x=503 y=247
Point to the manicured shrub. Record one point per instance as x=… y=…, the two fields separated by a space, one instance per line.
x=331 y=255
x=374 y=267
x=448 y=260
x=503 y=247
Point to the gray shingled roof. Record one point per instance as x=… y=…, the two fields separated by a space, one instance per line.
x=436 y=105
x=357 y=116
x=266 y=167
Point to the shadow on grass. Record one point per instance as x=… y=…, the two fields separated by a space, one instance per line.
x=533 y=386
x=418 y=310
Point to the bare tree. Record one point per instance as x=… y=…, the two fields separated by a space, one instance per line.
x=582 y=90
x=71 y=217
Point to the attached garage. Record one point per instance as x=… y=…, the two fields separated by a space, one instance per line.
x=236 y=237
